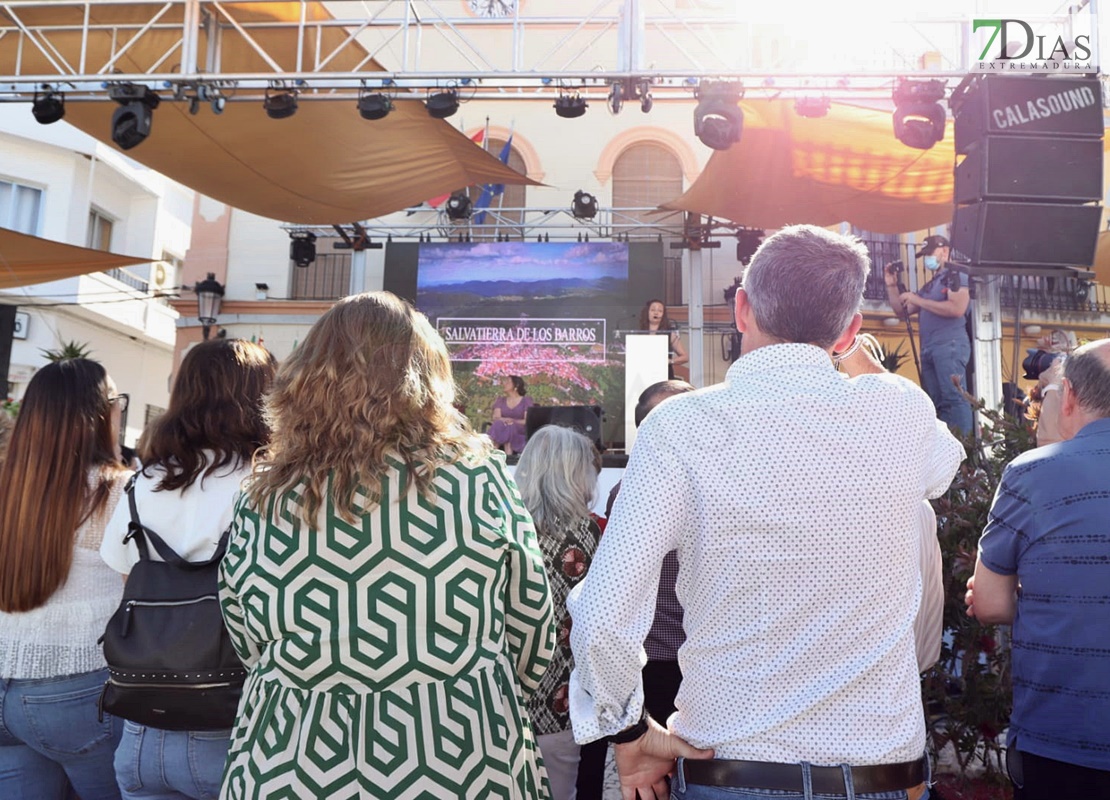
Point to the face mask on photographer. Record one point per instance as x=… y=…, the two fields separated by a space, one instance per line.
x=931 y=263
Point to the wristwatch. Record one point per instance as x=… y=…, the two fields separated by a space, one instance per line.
x=633 y=732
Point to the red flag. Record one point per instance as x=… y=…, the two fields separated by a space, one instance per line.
x=436 y=202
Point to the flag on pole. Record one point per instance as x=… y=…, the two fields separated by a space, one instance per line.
x=491 y=190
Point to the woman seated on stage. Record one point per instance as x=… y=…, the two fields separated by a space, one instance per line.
x=654 y=318
x=509 y=411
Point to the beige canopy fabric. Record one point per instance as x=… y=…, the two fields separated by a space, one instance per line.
x=25 y=260
x=846 y=166
x=1101 y=266
x=322 y=166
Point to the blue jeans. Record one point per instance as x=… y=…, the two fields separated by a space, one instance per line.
x=680 y=790
x=939 y=362
x=51 y=739
x=171 y=765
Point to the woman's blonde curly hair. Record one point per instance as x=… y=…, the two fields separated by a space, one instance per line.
x=370 y=383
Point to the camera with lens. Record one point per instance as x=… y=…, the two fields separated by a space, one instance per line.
x=895 y=268
x=1037 y=362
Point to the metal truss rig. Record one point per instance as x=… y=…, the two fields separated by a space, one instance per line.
x=683 y=230
x=412 y=46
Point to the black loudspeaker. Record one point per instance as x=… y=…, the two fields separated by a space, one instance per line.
x=1020 y=168
x=1027 y=234
x=584 y=419
x=1013 y=105
x=1029 y=185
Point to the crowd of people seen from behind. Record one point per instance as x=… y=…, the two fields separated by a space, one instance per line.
x=408 y=616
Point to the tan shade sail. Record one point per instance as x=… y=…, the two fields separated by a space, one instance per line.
x=1101 y=267
x=846 y=166
x=25 y=260
x=322 y=166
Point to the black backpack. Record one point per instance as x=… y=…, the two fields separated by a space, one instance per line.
x=171 y=664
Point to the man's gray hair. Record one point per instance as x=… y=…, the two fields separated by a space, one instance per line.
x=805 y=283
x=1089 y=375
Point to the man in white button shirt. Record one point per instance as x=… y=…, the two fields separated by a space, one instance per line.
x=793 y=495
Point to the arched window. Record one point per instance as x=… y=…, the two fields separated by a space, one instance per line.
x=505 y=209
x=646 y=175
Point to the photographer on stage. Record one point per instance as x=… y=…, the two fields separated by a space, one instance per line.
x=941 y=305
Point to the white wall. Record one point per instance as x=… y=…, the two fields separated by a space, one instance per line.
x=133 y=336
x=139 y=366
x=258 y=252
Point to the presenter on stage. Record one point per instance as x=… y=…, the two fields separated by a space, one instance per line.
x=509 y=411
x=941 y=306
x=654 y=319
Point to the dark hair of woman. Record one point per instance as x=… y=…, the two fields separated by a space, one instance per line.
x=215 y=416
x=519 y=386
x=63 y=432
x=645 y=323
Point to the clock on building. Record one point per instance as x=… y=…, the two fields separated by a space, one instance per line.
x=492 y=8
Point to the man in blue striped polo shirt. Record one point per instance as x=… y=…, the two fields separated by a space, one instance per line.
x=1043 y=567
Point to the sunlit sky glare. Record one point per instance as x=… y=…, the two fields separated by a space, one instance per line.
x=827 y=36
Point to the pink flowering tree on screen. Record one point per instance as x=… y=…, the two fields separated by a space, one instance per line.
x=555 y=375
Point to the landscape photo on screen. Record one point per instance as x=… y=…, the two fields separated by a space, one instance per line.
x=547 y=312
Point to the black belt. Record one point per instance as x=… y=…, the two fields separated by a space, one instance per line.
x=788 y=777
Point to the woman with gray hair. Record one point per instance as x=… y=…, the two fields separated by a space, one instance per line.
x=557 y=476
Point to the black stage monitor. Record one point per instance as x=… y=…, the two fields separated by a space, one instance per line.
x=584 y=419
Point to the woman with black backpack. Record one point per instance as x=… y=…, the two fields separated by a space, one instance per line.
x=194 y=457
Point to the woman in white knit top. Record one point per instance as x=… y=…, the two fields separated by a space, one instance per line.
x=59 y=483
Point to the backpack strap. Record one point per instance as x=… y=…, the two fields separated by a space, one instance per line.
x=140 y=533
x=135 y=529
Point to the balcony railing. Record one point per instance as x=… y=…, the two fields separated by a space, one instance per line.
x=1054 y=294
x=1038 y=293
x=327 y=278
x=129 y=279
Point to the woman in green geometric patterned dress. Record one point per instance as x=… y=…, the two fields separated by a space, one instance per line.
x=383 y=581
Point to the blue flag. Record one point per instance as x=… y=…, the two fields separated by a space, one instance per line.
x=491 y=190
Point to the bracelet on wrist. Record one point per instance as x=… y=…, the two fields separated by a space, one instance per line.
x=633 y=732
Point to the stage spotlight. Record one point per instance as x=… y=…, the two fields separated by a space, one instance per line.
x=48 y=108
x=643 y=90
x=615 y=100
x=442 y=105
x=718 y=120
x=302 y=248
x=458 y=206
x=374 y=106
x=584 y=205
x=132 y=120
x=812 y=107
x=280 y=104
x=570 y=106
x=919 y=118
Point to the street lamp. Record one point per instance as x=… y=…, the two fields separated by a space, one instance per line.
x=210 y=293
